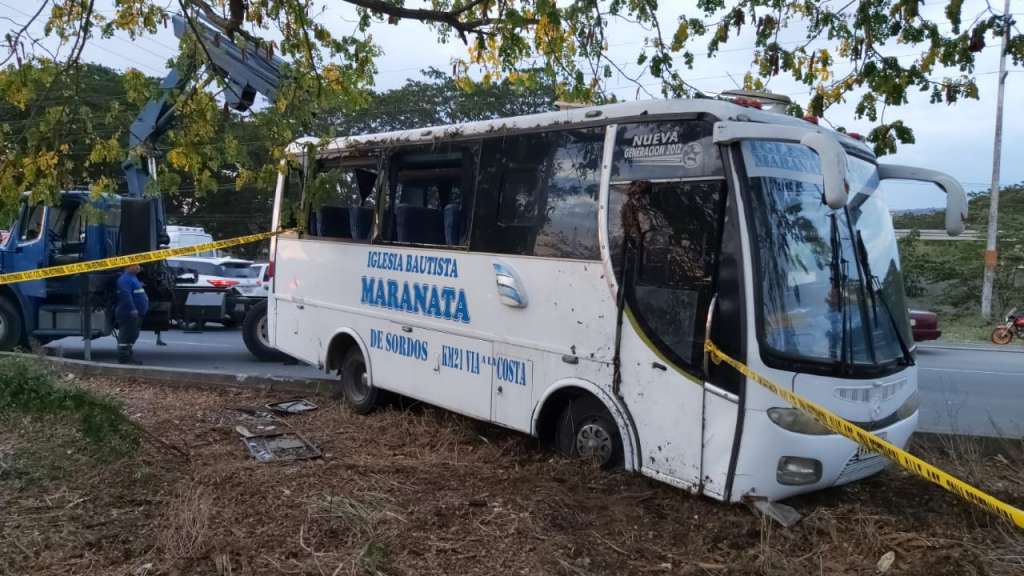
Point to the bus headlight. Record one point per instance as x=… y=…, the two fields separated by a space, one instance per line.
x=797 y=471
x=796 y=421
x=909 y=407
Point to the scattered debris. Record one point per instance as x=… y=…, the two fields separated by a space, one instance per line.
x=258 y=430
x=885 y=562
x=263 y=432
x=298 y=406
x=785 y=515
x=281 y=447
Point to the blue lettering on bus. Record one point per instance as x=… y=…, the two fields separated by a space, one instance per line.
x=441 y=266
x=510 y=370
x=399 y=344
x=414 y=298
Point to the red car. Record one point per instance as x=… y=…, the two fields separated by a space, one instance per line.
x=924 y=325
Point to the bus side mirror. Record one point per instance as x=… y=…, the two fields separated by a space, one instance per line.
x=833 y=167
x=956 y=198
x=829 y=150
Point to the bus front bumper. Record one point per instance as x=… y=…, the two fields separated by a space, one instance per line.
x=788 y=463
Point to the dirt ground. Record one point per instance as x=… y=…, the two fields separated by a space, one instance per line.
x=421 y=491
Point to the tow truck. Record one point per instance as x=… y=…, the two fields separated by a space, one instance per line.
x=36 y=312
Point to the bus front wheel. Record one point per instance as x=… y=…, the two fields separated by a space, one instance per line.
x=586 y=430
x=356 y=387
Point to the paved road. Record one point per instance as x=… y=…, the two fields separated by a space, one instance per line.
x=972 y=390
x=215 y=348
x=963 y=390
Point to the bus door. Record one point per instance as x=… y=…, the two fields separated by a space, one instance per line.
x=665 y=211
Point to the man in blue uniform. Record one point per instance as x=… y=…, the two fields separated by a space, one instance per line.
x=132 y=305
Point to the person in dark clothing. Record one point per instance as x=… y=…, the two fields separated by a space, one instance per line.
x=636 y=215
x=132 y=305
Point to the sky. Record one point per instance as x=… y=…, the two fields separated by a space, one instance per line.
x=957 y=139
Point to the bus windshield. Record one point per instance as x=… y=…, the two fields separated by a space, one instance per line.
x=831 y=289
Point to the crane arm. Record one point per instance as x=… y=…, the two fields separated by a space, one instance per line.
x=246 y=69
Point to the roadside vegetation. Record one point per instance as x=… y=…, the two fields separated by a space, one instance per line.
x=29 y=391
x=417 y=490
x=945 y=277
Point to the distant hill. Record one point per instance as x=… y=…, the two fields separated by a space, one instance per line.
x=919 y=218
x=916 y=211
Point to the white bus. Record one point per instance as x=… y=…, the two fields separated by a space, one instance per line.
x=559 y=273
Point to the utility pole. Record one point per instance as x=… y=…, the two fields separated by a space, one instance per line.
x=997 y=150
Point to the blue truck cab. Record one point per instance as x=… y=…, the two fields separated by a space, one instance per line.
x=77 y=229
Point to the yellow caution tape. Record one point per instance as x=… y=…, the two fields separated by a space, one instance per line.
x=122 y=261
x=868 y=440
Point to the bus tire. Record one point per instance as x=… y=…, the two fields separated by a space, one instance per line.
x=254 y=334
x=10 y=326
x=356 y=387
x=586 y=430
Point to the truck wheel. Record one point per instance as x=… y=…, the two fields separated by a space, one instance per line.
x=359 y=392
x=586 y=430
x=10 y=326
x=254 y=334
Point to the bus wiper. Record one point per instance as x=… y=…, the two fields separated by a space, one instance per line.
x=875 y=292
x=839 y=280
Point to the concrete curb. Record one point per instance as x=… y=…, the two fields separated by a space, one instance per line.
x=208 y=379
x=976 y=347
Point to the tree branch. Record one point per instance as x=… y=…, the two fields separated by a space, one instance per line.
x=635 y=80
x=452 y=18
x=17 y=36
x=229 y=25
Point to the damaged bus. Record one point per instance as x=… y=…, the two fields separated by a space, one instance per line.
x=559 y=274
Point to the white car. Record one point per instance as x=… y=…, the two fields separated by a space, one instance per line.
x=262 y=287
x=236 y=278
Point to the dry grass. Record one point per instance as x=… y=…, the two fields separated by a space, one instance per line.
x=186 y=522
x=412 y=490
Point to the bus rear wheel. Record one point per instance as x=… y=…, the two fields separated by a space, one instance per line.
x=356 y=387
x=586 y=430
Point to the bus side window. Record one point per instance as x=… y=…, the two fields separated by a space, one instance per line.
x=291 y=202
x=430 y=194
x=539 y=194
x=339 y=198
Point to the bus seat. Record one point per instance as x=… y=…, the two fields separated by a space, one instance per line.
x=360 y=222
x=453 y=224
x=418 y=225
x=334 y=222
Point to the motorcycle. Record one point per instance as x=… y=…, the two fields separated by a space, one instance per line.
x=1012 y=325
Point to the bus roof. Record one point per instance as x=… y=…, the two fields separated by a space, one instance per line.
x=623 y=111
